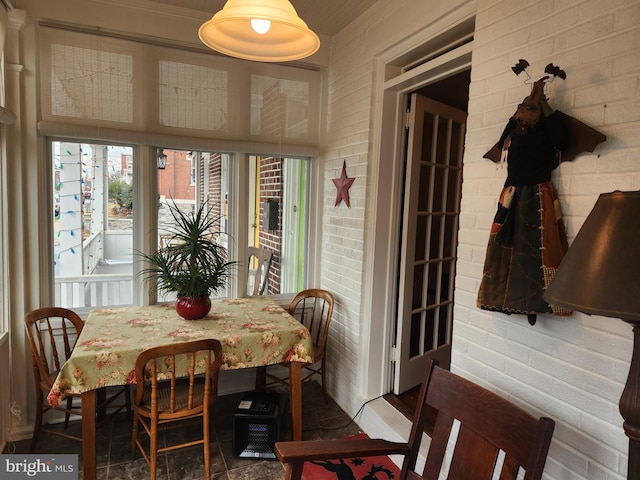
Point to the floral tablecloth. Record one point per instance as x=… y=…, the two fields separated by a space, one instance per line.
x=253 y=331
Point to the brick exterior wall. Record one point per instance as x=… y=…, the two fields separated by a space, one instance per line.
x=175 y=180
x=271 y=189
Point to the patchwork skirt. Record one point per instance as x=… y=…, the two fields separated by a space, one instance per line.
x=526 y=244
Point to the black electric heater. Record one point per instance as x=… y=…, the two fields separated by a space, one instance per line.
x=256 y=425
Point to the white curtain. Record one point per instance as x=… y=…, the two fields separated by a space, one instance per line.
x=6 y=116
x=94 y=85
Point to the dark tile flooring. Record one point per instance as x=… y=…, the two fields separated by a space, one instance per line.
x=320 y=421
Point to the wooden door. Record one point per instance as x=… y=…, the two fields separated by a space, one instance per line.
x=429 y=238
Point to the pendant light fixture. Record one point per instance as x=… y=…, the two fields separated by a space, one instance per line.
x=261 y=30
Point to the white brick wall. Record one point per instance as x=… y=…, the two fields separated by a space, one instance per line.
x=571 y=369
x=349 y=124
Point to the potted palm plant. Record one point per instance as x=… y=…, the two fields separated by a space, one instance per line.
x=190 y=264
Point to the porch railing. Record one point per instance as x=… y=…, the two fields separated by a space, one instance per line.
x=94 y=290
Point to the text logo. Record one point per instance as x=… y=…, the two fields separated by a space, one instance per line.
x=39 y=466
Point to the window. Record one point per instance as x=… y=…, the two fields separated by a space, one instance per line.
x=94 y=217
x=194 y=165
x=238 y=135
x=93 y=224
x=277 y=216
x=276 y=207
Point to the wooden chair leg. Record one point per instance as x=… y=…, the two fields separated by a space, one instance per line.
x=134 y=436
x=101 y=398
x=293 y=471
x=207 y=447
x=324 y=381
x=37 y=424
x=67 y=413
x=153 y=450
x=127 y=400
x=261 y=379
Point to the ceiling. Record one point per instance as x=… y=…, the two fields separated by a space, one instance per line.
x=324 y=17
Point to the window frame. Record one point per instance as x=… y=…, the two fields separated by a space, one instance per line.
x=4 y=280
x=145 y=191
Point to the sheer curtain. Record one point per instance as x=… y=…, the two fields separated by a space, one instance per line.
x=6 y=116
x=94 y=85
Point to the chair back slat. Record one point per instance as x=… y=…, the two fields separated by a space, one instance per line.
x=437 y=448
x=510 y=468
x=41 y=335
x=168 y=379
x=55 y=357
x=473 y=457
x=259 y=264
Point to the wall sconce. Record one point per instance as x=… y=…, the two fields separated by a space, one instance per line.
x=162 y=159
x=599 y=276
x=261 y=30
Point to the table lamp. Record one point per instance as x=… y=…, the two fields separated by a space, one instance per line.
x=599 y=276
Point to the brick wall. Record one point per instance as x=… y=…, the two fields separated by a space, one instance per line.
x=175 y=180
x=571 y=369
x=271 y=189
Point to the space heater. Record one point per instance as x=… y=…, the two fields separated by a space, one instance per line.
x=256 y=425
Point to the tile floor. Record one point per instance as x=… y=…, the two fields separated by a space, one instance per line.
x=114 y=444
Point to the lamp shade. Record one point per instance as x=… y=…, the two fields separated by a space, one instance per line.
x=287 y=36
x=599 y=273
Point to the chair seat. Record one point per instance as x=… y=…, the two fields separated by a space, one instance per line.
x=181 y=397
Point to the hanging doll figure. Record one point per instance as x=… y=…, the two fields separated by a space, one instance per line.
x=527 y=239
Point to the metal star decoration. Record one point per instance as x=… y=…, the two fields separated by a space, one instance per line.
x=343 y=184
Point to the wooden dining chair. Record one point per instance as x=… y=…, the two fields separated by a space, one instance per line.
x=477 y=435
x=314 y=309
x=52 y=333
x=175 y=382
x=260 y=260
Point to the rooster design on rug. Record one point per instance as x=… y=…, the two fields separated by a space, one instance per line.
x=343 y=470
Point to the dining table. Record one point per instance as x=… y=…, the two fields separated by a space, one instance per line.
x=254 y=331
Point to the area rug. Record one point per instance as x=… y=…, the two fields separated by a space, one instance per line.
x=369 y=468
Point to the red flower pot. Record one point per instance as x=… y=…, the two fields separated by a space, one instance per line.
x=193 y=308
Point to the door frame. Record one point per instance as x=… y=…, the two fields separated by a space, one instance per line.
x=394 y=81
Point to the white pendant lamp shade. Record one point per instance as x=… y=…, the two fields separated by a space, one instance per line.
x=234 y=31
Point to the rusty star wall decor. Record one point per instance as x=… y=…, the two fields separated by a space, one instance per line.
x=343 y=184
